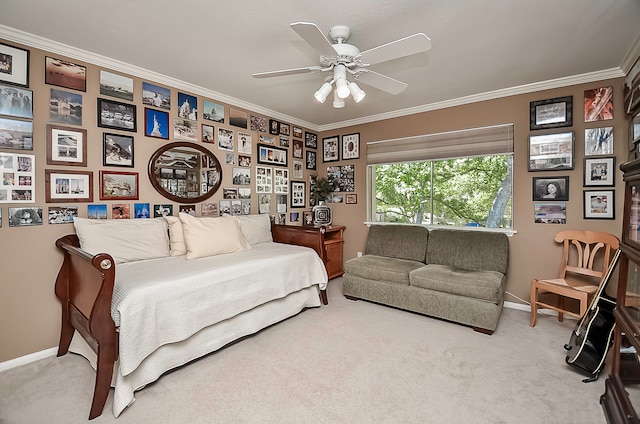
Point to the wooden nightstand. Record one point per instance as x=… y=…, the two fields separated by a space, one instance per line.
x=327 y=241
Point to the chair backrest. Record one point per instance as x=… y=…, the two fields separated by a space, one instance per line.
x=586 y=246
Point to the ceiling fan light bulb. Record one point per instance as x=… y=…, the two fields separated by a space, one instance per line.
x=342 y=88
x=323 y=92
x=337 y=101
x=356 y=92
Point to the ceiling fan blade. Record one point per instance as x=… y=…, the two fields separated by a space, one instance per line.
x=413 y=44
x=381 y=82
x=314 y=37
x=284 y=72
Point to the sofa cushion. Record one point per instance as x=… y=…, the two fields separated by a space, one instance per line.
x=486 y=285
x=471 y=250
x=398 y=241
x=381 y=268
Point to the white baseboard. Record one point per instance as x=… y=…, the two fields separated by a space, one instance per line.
x=27 y=359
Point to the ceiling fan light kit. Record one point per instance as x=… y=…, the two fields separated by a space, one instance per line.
x=343 y=58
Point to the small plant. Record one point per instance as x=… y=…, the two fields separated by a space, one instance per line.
x=321 y=190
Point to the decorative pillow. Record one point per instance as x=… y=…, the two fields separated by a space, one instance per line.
x=177 y=245
x=255 y=228
x=211 y=236
x=125 y=240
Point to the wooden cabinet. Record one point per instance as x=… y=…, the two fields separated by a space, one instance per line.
x=624 y=379
x=327 y=240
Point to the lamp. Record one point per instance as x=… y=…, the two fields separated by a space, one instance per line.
x=323 y=92
x=337 y=101
x=356 y=92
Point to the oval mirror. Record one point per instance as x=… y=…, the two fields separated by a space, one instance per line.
x=185 y=172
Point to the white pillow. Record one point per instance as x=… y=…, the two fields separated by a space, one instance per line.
x=125 y=240
x=255 y=228
x=211 y=236
x=177 y=245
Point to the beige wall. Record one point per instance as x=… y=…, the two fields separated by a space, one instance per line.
x=29 y=311
x=533 y=250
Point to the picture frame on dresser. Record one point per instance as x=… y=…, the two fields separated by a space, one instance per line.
x=66 y=146
x=551 y=113
x=62 y=186
x=15 y=63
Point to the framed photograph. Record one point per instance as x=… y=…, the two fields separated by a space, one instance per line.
x=118 y=185
x=350 y=198
x=213 y=111
x=66 y=146
x=14 y=65
x=274 y=127
x=185 y=129
x=298 y=170
x=546 y=188
x=296 y=131
x=310 y=159
x=284 y=129
x=245 y=143
x=207 y=133
x=551 y=152
x=65 y=74
x=16 y=135
x=162 y=210
x=599 y=172
x=598 y=141
x=65 y=107
x=238 y=118
x=599 y=204
x=550 y=213
x=283 y=141
x=156 y=96
x=270 y=155
x=551 y=113
x=114 y=85
x=141 y=210
x=156 y=123
x=187 y=106
x=120 y=211
x=298 y=192
x=18 y=178
x=16 y=102
x=258 y=123
x=225 y=139
x=25 y=217
x=297 y=149
x=307 y=218
x=62 y=186
x=117 y=150
x=311 y=140
x=351 y=146
x=62 y=214
x=97 y=211
x=330 y=151
x=598 y=104
x=117 y=115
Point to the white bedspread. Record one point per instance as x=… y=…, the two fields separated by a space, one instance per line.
x=161 y=301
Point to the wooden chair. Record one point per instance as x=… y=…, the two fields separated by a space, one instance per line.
x=578 y=279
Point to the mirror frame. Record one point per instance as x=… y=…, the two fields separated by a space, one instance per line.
x=182 y=144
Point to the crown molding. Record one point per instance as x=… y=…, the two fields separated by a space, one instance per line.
x=21 y=37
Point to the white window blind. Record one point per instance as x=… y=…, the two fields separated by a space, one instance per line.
x=496 y=139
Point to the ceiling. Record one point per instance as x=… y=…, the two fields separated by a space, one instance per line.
x=480 y=48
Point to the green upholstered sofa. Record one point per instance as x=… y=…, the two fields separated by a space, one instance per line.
x=456 y=275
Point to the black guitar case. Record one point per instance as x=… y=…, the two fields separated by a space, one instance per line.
x=591 y=339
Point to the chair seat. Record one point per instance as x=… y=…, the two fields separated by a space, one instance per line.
x=573 y=284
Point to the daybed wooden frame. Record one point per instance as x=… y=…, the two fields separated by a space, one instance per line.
x=85 y=285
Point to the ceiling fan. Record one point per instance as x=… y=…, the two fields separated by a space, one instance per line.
x=341 y=59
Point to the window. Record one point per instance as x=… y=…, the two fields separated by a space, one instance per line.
x=444 y=179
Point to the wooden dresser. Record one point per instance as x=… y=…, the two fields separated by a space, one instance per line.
x=327 y=240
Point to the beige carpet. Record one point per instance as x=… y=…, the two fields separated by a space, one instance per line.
x=348 y=362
